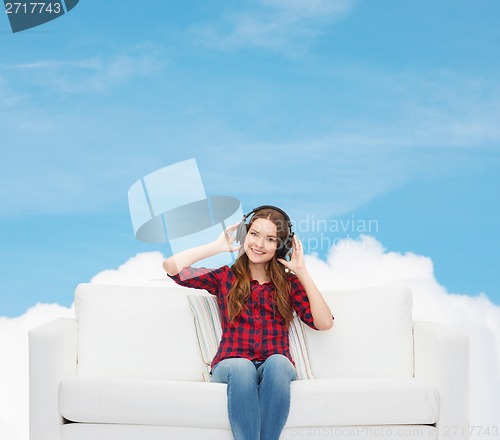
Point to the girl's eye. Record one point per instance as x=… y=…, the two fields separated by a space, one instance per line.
x=271 y=240
x=253 y=233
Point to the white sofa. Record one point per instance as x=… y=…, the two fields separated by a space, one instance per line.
x=129 y=367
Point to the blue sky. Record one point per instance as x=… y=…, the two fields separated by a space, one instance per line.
x=333 y=110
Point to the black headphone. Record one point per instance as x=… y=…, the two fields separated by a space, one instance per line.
x=285 y=245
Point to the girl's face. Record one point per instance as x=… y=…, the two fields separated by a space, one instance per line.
x=261 y=241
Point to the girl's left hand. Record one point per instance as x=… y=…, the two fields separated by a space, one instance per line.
x=296 y=263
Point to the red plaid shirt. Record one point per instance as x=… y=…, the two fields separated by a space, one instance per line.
x=259 y=330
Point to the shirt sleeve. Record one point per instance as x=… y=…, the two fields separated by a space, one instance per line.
x=300 y=302
x=200 y=278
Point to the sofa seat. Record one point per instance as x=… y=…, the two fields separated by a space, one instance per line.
x=318 y=402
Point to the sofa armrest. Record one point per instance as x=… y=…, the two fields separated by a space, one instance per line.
x=441 y=356
x=52 y=358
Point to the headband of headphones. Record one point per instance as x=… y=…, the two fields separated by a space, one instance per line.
x=283 y=213
x=285 y=246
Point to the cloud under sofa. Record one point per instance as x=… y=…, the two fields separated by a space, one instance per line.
x=132 y=366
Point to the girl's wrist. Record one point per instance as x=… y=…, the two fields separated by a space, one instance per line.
x=301 y=272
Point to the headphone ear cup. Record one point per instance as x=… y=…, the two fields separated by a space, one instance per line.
x=285 y=247
x=241 y=232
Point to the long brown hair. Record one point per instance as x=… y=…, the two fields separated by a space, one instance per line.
x=240 y=291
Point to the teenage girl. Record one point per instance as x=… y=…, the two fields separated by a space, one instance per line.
x=257 y=296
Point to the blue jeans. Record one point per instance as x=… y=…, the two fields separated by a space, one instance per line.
x=258 y=395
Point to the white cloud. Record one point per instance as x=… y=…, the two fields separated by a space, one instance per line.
x=309 y=8
x=351 y=263
x=278 y=25
x=97 y=74
x=137 y=270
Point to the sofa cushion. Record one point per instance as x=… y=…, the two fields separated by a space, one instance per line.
x=371 y=336
x=316 y=402
x=207 y=321
x=136 y=332
x=209 y=332
x=364 y=401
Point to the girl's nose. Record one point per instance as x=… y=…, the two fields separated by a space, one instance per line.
x=259 y=242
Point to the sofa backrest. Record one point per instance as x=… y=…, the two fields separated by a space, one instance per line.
x=372 y=334
x=148 y=332
x=136 y=332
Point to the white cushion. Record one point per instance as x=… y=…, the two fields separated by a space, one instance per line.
x=316 y=402
x=371 y=335
x=144 y=402
x=298 y=348
x=207 y=321
x=136 y=332
x=363 y=401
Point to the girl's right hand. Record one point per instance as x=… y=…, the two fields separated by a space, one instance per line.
x=225 y=241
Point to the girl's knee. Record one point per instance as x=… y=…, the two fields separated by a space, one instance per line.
x=241 y=366
x=239 y=369
x=278 y=364
x=279 y=361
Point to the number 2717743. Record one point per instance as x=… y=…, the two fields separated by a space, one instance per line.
x=33 y=8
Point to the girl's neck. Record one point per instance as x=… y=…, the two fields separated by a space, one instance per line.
x=259 y=272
